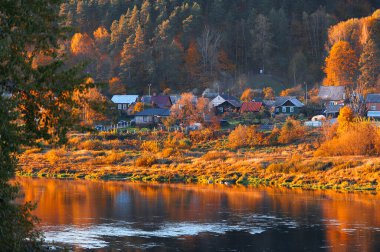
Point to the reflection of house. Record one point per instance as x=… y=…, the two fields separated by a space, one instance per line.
x=333 y=98
x=124 y=101
x=287 y=105
x=161 y=101
x=225 y=103
x=373 y=105
x=151 y=116
x=252 y=106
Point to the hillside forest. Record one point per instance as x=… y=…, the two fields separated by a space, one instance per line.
x=188 y=45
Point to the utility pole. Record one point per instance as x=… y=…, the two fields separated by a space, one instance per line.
x=149 y=85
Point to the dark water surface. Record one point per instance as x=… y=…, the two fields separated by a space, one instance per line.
x=121 y=216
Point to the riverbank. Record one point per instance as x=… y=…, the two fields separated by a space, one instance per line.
x=202 y=162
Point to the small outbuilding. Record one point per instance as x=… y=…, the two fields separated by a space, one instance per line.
x=288 y=105
x=151 y=116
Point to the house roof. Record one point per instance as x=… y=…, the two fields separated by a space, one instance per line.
x=373 y=98
x=227 y=98
x=146 y=99
x=281 y=100
x=162 y=101
x=154 y=112
x=333 y=108
x=269 y=103
x=332 y=93
x=251 y=106
x=124 y=99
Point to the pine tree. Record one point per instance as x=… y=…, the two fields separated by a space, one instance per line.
x=369 y=64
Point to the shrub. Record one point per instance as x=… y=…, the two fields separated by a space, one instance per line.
x=151 y=146
x=114 y=158
x=202 y=135
x=214 y=155
x=91 y=145
x=32 y=151
x=291 y=131
x=245 y=136
x=54 y=156
x=357 y=138
x=145 y=161
x=167 y=152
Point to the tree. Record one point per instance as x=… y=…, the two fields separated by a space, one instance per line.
x=341 y=65
x=193 y=62
x=369 y=64
x=345 y=118
x=268 y=93
x=40 y=105
x=247 y=95
x=116 y=87
x=189 y=109
x=262 y=39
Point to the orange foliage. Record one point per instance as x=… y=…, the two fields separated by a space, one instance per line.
x=224 y=62
x=341 y=65
x=268 y=93
x=245 y=136
x=247 y=95
x=291 y=131
x=294 y=91
x=82 y=44
x=101 y=33
x=193 y=59
x=116 y=87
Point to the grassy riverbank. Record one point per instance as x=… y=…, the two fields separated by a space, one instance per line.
x=204 y=157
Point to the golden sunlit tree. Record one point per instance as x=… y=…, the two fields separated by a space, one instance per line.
x=341 y=65
x=268 y=93
x=346 y=116
x=82 y=44
x=116 y=87
x=247 y=95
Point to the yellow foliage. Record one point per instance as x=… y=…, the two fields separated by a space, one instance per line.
x=291 y=131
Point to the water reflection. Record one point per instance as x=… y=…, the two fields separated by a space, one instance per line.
x=160 y=217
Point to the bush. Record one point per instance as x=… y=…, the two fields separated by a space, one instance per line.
x=151 y=146
x=91 y=145
x=167 y=152
x=145 y=161
x=114 y=158
x=245 y=136
x=291 y=131
x=32 y=151
x=202 y=135
x=54 y=156
x=357 y=138
x=214 y=155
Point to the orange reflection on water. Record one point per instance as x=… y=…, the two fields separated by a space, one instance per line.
x=83 y=202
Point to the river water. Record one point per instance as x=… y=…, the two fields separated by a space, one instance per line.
x=122 y=216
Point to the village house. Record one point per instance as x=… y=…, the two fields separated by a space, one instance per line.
x=151 y=116
x=373 y=105
x=123 y=102
x=288 y=105
x=225 y=103
x=333 y=99
x=161 y=101
x=251 y=107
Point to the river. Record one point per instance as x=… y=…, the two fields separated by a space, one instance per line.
x=114 y=216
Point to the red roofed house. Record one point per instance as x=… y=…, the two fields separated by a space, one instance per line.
x=251 y=107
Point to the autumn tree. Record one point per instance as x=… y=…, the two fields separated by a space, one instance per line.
x=341 y=65
x=268 y=93
x=345 y=118
x=190 y=109
x=40 y=105
x=369 y=66
x=115 y=86
x=247 y=95
x=82 y=44
x=102 y=39
x=193 y=62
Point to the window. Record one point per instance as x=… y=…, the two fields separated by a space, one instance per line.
x=283 y=109
x=145 y=119
x=373 y=107
x=125 y=106
x=119 y=106
x=277 y=110
x=291 y=109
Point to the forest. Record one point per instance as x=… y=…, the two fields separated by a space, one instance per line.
x=188 y=45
